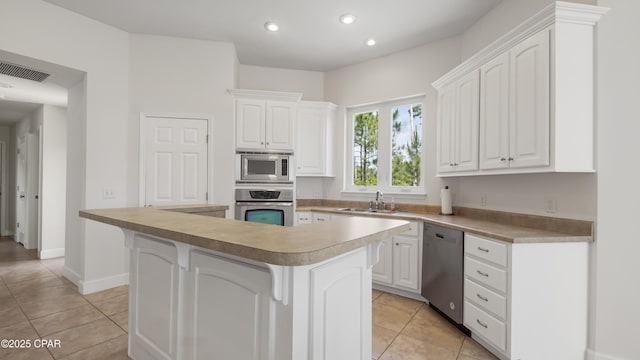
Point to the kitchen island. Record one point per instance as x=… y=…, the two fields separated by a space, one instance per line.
x=210 y=288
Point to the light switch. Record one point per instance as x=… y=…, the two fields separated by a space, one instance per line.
x=108 y=193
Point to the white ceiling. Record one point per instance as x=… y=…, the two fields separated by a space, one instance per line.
x=310 y=36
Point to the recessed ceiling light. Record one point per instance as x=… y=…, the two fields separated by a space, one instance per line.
x=5 y=85
x=271 y=26
x=347 y=19
x=371 y=42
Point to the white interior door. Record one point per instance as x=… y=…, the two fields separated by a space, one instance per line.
x=21 y=190
x=32 y=193
x=175 y=160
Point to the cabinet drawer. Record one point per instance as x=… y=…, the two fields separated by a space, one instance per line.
x=489 y=250
x=320 y=217
x=487 y=326
x=486 y=274
x=486 y=299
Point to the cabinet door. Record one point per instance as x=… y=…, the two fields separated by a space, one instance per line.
x=529 y=102
x=382 y=272
x=446 y=126
x=250 y=115
x=311 y=140
x=239 y=296
x=280 y=125
x=466 y=129
x=155 y=293
x=494 y=113
x=405 y=262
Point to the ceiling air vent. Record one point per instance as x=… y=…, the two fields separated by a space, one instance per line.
x=22 y=72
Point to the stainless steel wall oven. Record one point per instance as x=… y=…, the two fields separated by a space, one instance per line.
x=267 y=206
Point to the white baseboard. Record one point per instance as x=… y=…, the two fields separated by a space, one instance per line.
x=73 y=276
x=51 y=253
x=91 y=286
x=593 y=355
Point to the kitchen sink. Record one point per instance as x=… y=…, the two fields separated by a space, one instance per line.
x=365 y=210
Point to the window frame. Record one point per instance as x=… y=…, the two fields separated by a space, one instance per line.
x=384 y=163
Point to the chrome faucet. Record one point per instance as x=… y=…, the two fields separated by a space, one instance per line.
x=379 y=200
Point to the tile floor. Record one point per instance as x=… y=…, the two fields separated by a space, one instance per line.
x=410 y=330
x=37 y=302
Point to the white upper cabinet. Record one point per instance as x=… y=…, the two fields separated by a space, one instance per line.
x=529 y=102
x=250 y=123
x=265 y=120
x=535 y=99
x=494 y=113
x=514 y=107
x=314 y=138
x=280 y=125
x=458 y=125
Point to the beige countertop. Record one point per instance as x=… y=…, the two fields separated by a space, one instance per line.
x=291 y=246
x=535 y=231
x=193 y=208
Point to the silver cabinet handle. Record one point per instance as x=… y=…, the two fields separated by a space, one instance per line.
x=483 y=249
x=503 y=159
x=261 y=142
x=482 y=324
x=483 y=274
x=482 y=297
x=510 y=159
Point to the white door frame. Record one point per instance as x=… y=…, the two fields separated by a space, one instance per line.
x=141 y=149
x=4 y=230
x=33 y=193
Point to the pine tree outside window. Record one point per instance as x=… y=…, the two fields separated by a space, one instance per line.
x=384 y=147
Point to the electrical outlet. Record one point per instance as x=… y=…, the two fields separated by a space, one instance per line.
x=552 y=206
x=108 y=193
x=483 y=200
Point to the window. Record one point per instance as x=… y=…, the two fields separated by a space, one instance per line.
x=384 y=143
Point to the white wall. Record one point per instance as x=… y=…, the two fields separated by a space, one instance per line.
x=309 y=83
x=54 y=181
x=6 y=182
x=76 y=186
x=398 y=75
x=617 y=245
x=184 y=76
x=46 y=32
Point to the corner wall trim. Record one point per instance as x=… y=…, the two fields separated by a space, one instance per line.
x=51 y=253
x=593 y=355
x=108 y=282
x=73 y=276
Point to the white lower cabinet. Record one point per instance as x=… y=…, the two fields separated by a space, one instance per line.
x=303 y=217
x=320 y=217
x=400 y=263
x=383 y=270
x=526 y=300
x=191 y=303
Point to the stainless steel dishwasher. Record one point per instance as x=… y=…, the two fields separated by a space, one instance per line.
x=442 y=270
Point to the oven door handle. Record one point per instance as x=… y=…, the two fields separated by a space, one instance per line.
x=241 y=203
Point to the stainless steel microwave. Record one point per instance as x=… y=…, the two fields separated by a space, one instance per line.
x=263 y=167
